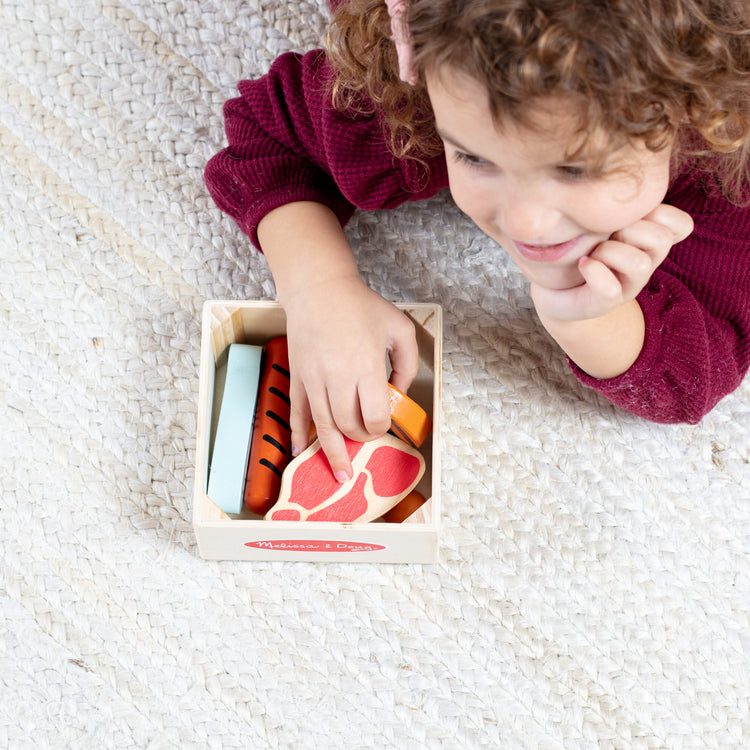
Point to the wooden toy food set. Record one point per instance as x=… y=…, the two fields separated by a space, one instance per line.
x=252 y=502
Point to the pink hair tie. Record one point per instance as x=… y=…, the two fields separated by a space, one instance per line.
x=402 y=39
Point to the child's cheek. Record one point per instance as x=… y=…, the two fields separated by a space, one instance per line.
x=475 y=199
x=623 y=204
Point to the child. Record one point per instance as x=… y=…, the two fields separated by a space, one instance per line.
x=603 y=145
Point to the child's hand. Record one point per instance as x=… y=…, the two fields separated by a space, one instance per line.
x=339 y=334
x=618 y=268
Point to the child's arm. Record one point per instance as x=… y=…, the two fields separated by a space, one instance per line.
x=292 y=174
x=287 y=143
x=601 y=347
x=339 y=332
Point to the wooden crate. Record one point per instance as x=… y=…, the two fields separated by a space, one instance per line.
x=249 y=537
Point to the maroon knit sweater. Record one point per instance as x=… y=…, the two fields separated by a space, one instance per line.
x=287 y=143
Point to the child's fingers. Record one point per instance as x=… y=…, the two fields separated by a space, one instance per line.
x=336 y=411
x=677 y=221
x=603 y=287
x=361 y=415
x=404 y=357
x=334 y=447
x=374 y=405
x=299 y=417
x=651 y=239
x=361 y=411
x=627 y=262
x=657 y=232
x=302 y=413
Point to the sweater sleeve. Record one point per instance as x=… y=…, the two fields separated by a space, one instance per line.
x=287 y=143
x=697 y=312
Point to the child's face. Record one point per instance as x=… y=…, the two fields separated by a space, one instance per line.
x=517 y=186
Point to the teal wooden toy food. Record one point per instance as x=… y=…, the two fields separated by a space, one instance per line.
x=226 y=478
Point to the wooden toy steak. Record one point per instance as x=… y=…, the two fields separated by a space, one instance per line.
x=385 y=471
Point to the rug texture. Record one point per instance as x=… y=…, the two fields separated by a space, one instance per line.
x=593 y=583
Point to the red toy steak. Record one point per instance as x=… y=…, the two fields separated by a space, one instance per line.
x=385 y=471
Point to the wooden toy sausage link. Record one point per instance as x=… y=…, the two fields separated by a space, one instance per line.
x=270 y=450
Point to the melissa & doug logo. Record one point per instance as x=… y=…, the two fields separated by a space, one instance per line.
x=314 y=545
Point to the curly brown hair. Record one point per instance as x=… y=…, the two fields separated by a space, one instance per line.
x=660 y=71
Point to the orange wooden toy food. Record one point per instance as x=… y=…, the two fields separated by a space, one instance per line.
x=270 y=450
x=401 y=511
x=409 y=421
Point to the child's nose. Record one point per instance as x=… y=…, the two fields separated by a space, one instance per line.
x=528 y=215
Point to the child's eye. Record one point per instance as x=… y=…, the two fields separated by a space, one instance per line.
x=470 y=159
x=572 y=172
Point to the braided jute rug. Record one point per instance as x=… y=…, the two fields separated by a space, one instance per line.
x=593 y=582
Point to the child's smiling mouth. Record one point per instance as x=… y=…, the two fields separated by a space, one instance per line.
x=546 y=253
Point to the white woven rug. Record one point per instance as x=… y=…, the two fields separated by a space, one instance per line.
x=593 y=587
